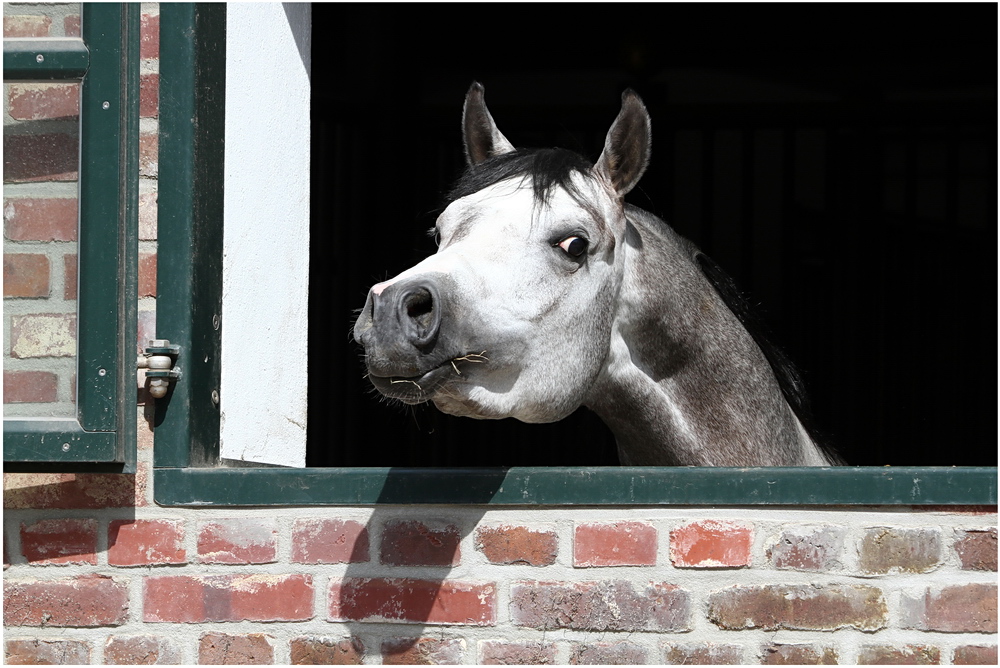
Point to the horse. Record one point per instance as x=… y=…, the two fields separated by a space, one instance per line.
x=548 y=291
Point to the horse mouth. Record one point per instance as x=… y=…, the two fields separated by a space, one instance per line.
x=420 y=388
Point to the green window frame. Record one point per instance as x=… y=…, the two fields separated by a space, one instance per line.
x=102 y=435
x=186 y=449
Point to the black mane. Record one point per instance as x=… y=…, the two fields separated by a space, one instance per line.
x=547 y=168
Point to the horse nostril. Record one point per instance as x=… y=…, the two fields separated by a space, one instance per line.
x=419 y=304
x=422 y=315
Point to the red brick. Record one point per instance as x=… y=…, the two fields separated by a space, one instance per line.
x=611 y=605
x=413 y=543
x=607 y=654
x=29 y=387
x=808 y=549
x=43 y=335
x=69 y=276
x=313 y=651
x=88 y=600
x=708 y=654
x=149 y=95
x=228 y=598
x=798 y=607
x=37 y=652
x=62 y=541
x=238 y=541
x=799 y=655
x=616 y=544
x=71 y=25
x=25 y=275
x=147 y=274
x=406 y=600
x=222 y=649
x=26 y=26
x=49 y=156
x=40 y=219
x=146 y=542
x=38 y=101
x=977 y=550
x=329 y=541
x=83 y=491
x=888 y=655
x=503 y=653
x=969 y=608
x=141 y=651
x=887 y=550
x=149 y=36
x=711 y=544
x=149 y=151
x=975 y=655
x=423 y=651
x=517 y=545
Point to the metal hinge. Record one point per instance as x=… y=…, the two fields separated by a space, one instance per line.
x=159 y=361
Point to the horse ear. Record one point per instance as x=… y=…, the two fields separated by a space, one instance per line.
x=480 y=135
x=627 y=146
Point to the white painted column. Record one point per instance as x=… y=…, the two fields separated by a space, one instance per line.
x=265 y=284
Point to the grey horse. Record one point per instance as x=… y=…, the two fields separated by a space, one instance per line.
x=549 y=292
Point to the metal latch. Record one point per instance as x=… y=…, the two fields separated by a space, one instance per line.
x=161 y=370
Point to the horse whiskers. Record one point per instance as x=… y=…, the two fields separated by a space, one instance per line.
x=407 y=380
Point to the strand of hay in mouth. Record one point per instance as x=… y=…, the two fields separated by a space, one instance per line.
x=477 y=358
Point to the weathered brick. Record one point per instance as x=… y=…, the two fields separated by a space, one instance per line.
x=711 y=544
x=83 y=491
x=37 y=101
x=517 y=545
x=147 y=274
x=88 y=600
x=24 y=387
x=969 y=608
x=413 y=543
x=977 y=550
x=800 y=607
x=40 y=218
x=69 y=274
x=149 y=151
x=321 y=651
x=26 y=26
x=238 y=541
x=329 y=541
x=71 y=25
x=891 y=655
x=423 y=651
x=60 y=541
x=702 y=654
x=798 y=655
x=147 y=216
x=607 y=654
x=223 y=649
x=141 y=651
x=228 y=598
x=406 y=600
x=25 y=275
x=149 y=95
x=808 y=548
x=43 y=335
x=146 y=542
x=504 y=653
x=612 y=605
x=40 y=157
x=149 y=36
x=36 y=652
x=975 y=655
x=894 y=550
x=614 y=544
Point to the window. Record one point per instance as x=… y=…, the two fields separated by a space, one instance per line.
x=91 y=426
x=382 y=116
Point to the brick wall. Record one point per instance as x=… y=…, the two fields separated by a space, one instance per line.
x=94 y=572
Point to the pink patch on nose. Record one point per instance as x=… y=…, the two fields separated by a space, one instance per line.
x=379 y=287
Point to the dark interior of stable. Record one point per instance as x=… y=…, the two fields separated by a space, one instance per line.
x=838 y=161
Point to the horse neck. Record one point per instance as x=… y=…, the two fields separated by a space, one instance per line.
x=684 y=383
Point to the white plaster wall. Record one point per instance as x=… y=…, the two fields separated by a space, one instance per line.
x=266 y=242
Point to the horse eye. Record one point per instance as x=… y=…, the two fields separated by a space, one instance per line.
x=574 y=246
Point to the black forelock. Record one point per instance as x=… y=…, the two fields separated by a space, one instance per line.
x=546 y=167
